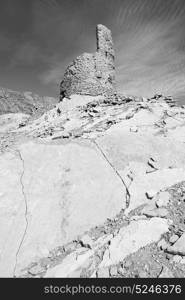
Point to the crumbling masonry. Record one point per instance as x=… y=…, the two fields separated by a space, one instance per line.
x=92 y=73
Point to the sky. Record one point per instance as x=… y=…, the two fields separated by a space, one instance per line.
x=39 y=38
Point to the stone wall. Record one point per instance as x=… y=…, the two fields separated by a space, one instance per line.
x=92 y=73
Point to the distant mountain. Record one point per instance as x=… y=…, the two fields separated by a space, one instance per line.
x=25 y=102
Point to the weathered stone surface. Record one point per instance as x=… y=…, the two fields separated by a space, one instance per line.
x=173 y=238
x=71 y=266
x=150 y=194
x=182 y=261
x=129 y=152
x=92 y=74
x=177 y=259
x=50 y=195
x=103 y=273
x=166 y=273
x=36 y=269
x=113 y=270
x=73 y=185
x=121 y=270
x=143 y=274
x=10 y=122
x=163 y=199
x=155 y=212
x=131 y=238
x=178 y=247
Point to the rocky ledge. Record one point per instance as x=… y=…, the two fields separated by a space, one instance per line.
x=123 y=157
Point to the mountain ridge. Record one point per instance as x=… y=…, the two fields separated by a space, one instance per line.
x=26 y=102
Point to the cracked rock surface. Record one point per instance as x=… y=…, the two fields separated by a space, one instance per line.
x=91 y=186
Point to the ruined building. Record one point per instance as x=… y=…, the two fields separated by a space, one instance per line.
x=92 y=73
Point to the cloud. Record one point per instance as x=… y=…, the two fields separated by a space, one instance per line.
x=5 y=43
x=52 y=76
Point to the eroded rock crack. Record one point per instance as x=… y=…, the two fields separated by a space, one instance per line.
x=128 y=196
x=25 y=213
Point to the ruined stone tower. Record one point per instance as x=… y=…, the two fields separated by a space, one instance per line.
x=92 y=73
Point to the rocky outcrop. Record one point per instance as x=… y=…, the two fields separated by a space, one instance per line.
x=92 y=74
x=89 y=154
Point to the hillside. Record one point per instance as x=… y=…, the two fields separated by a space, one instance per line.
x=24 y=102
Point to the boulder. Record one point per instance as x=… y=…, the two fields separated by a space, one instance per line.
x=133 y=237
x=163 y=199
x=178 y=247
x=154 y=212
x=162 y=244
x=173 y=238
